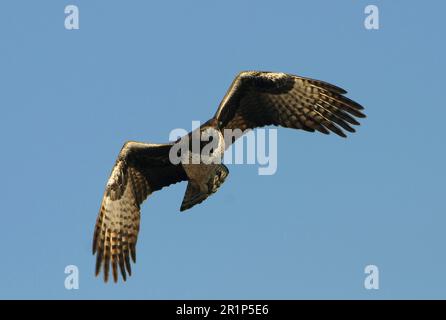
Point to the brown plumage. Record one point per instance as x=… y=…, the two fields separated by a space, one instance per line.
x=139 y=170
x=255 y=99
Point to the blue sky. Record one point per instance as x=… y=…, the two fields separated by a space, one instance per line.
x=136 y=70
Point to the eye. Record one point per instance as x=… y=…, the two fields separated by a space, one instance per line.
x=211 y=138
x=179 y=153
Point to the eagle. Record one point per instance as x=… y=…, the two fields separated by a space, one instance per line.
x=254 y=99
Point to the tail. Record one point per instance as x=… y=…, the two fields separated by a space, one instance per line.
x=197 y=192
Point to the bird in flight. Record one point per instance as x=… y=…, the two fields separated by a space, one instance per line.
x=254 y=99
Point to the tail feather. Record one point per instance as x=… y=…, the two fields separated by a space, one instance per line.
x=197 y=192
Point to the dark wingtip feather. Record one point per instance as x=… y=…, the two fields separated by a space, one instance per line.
x=322 y=129
x=333 y=88
x=350 y=129
x=114 y=268
x=127 y=264
x=353 y=103
x=325 y=85
x=106 y=266
x=95 y=239
x=355 y=122
x=98 y=263
x=356 y=113
x=334 y=128
x=133 y=252
x=122 y=267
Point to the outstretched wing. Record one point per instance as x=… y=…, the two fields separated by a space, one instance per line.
x=257 y=99
x=139 y=170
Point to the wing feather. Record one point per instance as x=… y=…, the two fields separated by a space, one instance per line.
x=139 y=170
x=257 y=99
